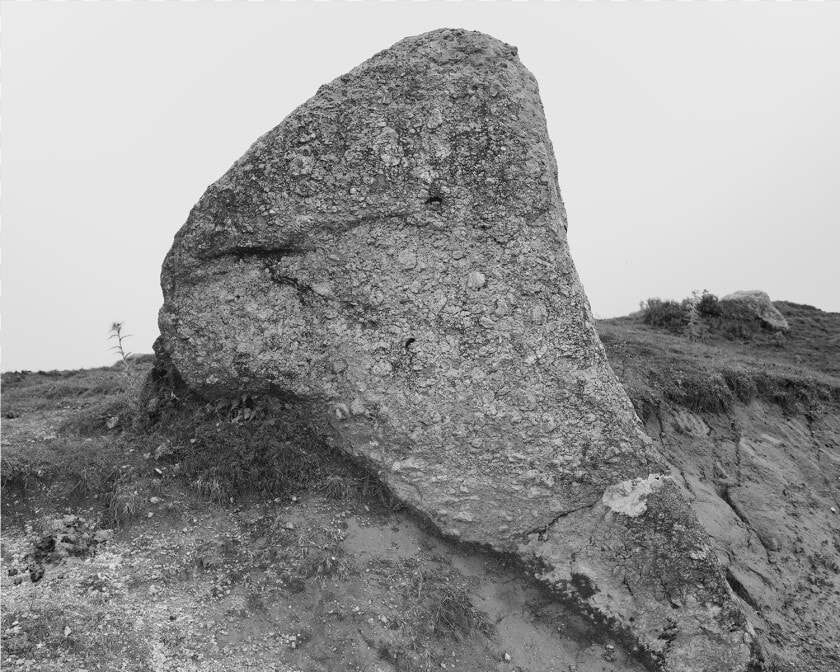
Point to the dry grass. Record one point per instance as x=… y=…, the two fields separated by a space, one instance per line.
x=47 y=634
x=713 y=374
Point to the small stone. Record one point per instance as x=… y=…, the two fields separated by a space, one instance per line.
x=382 y=368
x=407 y=259
x=538 y=313
x=507 y=657
x=154 y=500
x=476 y=280
x=289 y=526
x=322 y=289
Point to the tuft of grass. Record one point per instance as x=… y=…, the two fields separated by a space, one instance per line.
x=86 y=468
x=454 y=615
x=710 y=377
x=337 y=487
x=222 y=459
x=124 y=499
x=114 y=413
x=434 y=604
x=742 y=384
x=701 y=391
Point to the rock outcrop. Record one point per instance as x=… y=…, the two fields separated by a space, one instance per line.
x=753 y=304
x=393 y=257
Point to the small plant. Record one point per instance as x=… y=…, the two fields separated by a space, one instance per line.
x=695 y=308
x=211 y=488
x=123 y=503
x=337 y=487
x=691 y=307
x=116 y=334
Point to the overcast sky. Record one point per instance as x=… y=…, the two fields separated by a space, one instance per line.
x=698 y=144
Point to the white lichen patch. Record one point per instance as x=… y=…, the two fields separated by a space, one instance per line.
x=629 y=497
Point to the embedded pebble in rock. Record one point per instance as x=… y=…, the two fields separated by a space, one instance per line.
x=393 y=257
x=476 y=280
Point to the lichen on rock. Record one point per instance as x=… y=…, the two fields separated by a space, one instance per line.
x=393 y=257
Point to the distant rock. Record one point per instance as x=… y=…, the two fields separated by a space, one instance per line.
x=393 y=257
x=751 y=304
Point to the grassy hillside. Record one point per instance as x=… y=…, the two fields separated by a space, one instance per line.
x=712 y=372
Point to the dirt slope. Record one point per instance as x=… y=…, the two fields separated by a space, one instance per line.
x=323 y=576
x=320 y=573
x=753 y=430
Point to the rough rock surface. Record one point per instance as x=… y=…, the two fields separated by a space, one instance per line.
x=764 y=485
x=393 y=256
x=754 y=303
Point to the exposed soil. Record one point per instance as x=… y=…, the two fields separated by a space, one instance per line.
x=309 y=582
x=761 y=463
x=332 y=576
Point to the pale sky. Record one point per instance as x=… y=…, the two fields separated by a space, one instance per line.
x=698 y=144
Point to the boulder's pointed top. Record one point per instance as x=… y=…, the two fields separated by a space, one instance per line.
x=445 y=51
x=456 y=39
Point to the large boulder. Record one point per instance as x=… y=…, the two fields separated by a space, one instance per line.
x=393 y=257
x=753 y=304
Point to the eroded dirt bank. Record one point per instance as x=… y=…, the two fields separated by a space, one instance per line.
x=765 y=486
x=752 y=429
